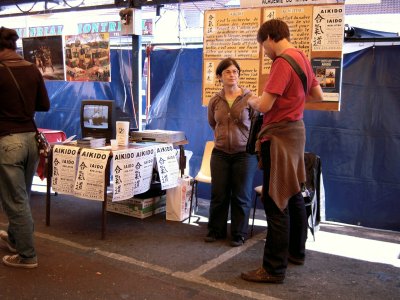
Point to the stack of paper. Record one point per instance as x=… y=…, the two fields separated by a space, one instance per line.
x=90 y=142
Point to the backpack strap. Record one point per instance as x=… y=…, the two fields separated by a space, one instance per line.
x=297 y=69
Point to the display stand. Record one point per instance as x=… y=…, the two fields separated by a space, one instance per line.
x=49 y=172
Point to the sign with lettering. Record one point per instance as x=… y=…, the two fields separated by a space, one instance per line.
x=65 y=160
x=167 y=165
x=46 y=30
x=90 y=179
x=249 y=76
x=112 y=27
x=260 y=3
x=132 y=172
x=316 y=29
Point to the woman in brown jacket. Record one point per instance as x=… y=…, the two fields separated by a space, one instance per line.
x=232 y=168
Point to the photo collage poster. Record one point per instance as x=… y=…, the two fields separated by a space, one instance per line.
x=87 y=57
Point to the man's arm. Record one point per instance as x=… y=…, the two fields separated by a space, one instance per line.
x=315 y=95
x=263 y=103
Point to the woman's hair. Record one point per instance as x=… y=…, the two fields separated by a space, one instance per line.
x=8 y=38
x=226 y=63
x=276 y=29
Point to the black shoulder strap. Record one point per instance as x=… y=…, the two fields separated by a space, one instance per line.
x=297 y=69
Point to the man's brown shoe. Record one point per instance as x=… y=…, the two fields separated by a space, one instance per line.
x=261 y=275
x=295 y=260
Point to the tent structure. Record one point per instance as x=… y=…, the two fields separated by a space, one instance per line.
x=358 y=145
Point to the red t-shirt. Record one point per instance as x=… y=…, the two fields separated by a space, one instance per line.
x=284 y=82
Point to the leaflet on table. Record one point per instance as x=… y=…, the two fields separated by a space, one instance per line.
x=132 y=172
x=90 y=179
x=167 y=165
x=64 y=169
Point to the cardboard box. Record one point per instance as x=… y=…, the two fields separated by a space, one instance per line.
x=138 y=208
x=178 y=200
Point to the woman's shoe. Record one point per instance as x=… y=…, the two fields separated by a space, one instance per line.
x=237 y=241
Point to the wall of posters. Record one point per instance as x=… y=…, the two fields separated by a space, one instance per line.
x=316 y=29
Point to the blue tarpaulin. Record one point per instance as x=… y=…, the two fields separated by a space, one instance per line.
x=358 y=145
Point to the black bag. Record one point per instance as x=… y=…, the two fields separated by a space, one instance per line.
x=255 y=128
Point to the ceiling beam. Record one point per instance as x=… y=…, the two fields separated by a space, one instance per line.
x=18 y=2
x=140 y=3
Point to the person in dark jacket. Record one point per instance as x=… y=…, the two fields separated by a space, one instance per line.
x=19 y=155
x=232 y=168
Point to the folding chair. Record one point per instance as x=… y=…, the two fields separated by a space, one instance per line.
x=310 y=191
x=204 y=174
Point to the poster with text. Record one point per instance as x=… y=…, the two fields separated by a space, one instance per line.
x=132 y=172
x=65 y=159
x=249 y=77
x=316 y=28
x=299 y=20
x=87 y=57
x=263 y=3
x=328 y=73
x=90 y=182
x=46 y=53
x=167 y=165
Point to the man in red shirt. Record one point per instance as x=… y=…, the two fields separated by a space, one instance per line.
x=282 y=140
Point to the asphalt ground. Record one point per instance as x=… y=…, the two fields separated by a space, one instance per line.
x=153 y=258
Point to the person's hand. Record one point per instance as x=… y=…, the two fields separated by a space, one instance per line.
x=253 y=101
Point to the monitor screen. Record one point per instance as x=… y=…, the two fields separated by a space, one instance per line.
x=95 y=116
x=98 y=118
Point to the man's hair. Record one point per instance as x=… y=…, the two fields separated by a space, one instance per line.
x=8 y=38
x=276 y=29
x=226 y=63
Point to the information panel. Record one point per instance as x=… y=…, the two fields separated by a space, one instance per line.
x=317 y=29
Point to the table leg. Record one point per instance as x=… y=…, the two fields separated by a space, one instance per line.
x=48 y=171
x=182 y=159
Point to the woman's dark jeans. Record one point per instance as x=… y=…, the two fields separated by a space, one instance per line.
x=231 y=185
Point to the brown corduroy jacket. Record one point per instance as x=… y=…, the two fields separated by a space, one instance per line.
x=287 y=159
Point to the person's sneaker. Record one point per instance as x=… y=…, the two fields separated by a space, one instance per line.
x=5 y=243
x=19 y=262
x=295 y=260
x=237 y=241
x=261 y=275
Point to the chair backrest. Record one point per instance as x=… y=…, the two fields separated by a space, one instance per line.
x=313 y=172
x=205 y=162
